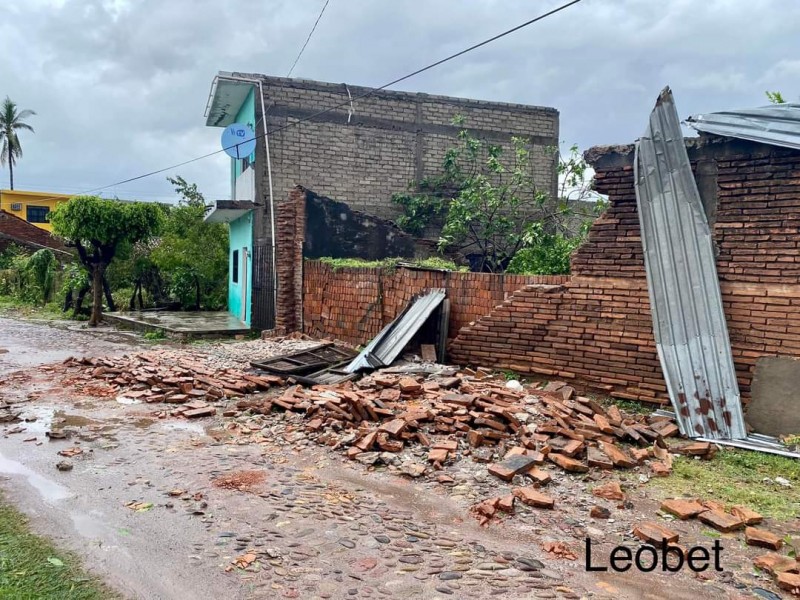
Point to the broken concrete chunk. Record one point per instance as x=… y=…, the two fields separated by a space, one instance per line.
x=683 y=509
x=762 y=538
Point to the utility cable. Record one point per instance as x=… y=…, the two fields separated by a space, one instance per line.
x=349 y=101
x=308 y=39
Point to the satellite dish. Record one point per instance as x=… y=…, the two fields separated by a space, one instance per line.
x=238 y=140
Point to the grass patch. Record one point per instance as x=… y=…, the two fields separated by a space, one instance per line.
x=737 y=477
x=32 y=569
x=13 y=307
x=156 y=335
x=391 y=263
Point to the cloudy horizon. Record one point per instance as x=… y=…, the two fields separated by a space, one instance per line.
x=120 y=87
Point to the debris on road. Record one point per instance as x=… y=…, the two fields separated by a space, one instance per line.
x=64 y=465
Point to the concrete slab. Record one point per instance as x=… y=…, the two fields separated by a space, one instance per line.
x=775 y=405
x=181 y=324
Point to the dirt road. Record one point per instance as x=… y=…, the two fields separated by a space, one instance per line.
x=313 y=525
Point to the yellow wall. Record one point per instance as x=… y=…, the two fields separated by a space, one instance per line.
x=25 y=199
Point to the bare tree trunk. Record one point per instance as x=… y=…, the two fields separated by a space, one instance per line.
x=97 y=295
x=109 y=299
x=79 y=300
x=10 y=166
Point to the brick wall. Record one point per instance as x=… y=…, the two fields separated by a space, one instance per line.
x=353 y=305
x=596 y=329
x=362 y=154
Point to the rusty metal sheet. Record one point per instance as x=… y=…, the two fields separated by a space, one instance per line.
x=688 y=319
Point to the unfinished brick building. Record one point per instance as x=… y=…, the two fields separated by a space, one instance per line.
x=352 y=144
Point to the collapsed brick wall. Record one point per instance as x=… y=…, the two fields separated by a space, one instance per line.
x=354 y=304
x=596 y=329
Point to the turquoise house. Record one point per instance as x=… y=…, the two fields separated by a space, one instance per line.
x=238 y=101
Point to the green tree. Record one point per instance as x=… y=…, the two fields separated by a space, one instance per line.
x=12 y=121
x=775 y=97
x=192 y=254
x=98 y=229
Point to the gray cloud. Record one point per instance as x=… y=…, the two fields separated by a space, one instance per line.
x=120 y=86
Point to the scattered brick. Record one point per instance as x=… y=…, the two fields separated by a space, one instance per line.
x=533 y=497
x=654 y=533
x=683 y=509
x=762 y=538
x=721 y=521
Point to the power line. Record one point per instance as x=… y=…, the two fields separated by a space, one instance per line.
x=308 y=39
x=350 y=101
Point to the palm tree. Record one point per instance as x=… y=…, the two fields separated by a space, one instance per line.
x=11 y=121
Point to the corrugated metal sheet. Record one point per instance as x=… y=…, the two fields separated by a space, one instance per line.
x=688 y=320
x=776 y=124
x=384 y=348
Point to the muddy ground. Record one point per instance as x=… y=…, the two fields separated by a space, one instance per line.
x=314 y=524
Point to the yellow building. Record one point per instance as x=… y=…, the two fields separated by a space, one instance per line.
x=34 y=207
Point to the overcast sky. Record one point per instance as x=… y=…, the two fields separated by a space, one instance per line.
x=120 y=86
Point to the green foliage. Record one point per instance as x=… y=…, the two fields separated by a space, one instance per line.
x=187 y=191
x=434 y=262
x=31 y=567
x=775 y=97
x=101 y=230
x=153 y=336
x=29 y=279
x=738 y=477
x=41 y=269
x=192 y=257
x=8 y=255
x=488 y=200
x=99 y=225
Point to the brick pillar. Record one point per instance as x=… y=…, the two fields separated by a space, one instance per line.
x=290 y=225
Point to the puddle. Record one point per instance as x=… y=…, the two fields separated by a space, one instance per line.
x=48 y=418
x=184 y=426
x=50 y=490
x=127 y=400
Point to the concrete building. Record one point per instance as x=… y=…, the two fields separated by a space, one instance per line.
x=353 y=144
x=33 y=207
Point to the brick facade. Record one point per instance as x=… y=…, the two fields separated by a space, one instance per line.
x=596 y=330
x=353 y=305
x=363 y=153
